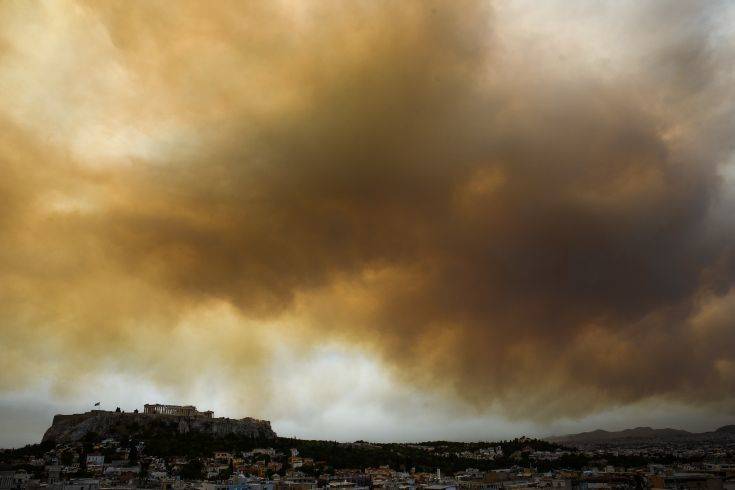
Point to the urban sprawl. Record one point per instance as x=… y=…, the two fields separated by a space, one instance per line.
x=203 y=462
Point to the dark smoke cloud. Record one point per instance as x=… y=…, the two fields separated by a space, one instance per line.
x=400 y=177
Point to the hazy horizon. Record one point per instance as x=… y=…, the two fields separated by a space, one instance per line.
x=24 y=423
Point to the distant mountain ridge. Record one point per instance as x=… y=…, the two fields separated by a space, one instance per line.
x=642 y=434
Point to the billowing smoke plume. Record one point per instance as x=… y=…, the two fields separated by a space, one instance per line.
x=517 y=209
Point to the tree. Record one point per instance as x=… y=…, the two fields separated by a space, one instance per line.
x=66 y=458
x=144 y=464
x=192 y=470
x=133 y=455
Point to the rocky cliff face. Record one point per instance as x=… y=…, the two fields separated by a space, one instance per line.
x=68 y=428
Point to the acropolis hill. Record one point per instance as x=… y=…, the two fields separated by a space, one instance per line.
x=155 y=419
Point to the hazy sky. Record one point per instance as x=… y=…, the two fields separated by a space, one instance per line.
x=369 y=220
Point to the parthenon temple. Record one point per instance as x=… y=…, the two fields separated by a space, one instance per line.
x=178 y=410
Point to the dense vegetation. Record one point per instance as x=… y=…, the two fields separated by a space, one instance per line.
x=333 y=455
x=330 y=455
x=327 y=455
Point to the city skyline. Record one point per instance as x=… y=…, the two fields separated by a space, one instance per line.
x=393 y=221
